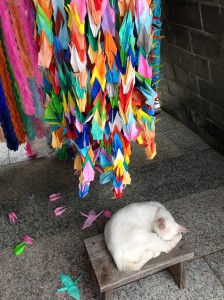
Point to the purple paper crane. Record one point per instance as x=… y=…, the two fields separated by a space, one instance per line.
x=91 y=217
x=59 y=210
x=12 y=217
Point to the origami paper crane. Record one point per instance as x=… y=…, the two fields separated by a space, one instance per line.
x=54 y=197
x=19 y=248
x=70 y=286
x=101 y=84
x=27 y=240
x=107 y=214
x=12 y=217
x=59 y=210
x=83 y=189
x=91 y=217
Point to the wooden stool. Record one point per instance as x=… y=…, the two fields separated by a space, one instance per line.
x=106 y=276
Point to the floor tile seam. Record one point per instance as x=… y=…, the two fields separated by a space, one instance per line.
x=212 y=269
x=158 y=161
x=52 y=236
x=179 y=147
x=191 y=260
x=220 y=187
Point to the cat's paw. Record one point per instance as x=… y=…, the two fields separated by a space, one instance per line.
x=172 y=244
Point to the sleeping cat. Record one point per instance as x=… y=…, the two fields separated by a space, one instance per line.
x=139 y=232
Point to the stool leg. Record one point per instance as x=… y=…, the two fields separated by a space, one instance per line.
x=106 y=295
x=178 y=273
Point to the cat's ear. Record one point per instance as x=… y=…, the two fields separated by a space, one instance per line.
x=182 y=229
x=161 y=223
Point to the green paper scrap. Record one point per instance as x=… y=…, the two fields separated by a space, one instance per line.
x=19 y=248
x=70 y=286
x=62 y=153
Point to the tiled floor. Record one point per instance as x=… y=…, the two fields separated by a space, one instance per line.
x=187 y=176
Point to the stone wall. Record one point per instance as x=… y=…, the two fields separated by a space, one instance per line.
x=192 y=86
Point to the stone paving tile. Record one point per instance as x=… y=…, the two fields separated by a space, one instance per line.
x=165 y=180
x=177 y=177
x=166 y=149
x=32 y=176
x=181 y=135
x=216 y=262
x=35 y=273
x=202 y=284
x=50 y=174
x=202 y=214
x=25 y=188
x=35 y=218
x=161 y=181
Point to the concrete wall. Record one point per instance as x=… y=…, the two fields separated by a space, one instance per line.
x=192 y=87
x=8 y=157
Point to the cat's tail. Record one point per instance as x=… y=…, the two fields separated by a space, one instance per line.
x=120 y=266
x=126 y=263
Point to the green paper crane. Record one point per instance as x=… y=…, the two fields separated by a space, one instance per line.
x=19 y=248
x=70 y=286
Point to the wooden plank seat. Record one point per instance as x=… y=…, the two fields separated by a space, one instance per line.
x=106 y=276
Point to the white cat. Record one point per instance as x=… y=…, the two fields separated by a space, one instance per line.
x=139 y=232
x=40 y=147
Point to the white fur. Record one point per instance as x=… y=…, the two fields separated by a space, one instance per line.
x=139 y=232
x=41 y=147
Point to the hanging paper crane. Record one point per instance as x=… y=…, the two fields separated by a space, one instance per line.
x=101 y=83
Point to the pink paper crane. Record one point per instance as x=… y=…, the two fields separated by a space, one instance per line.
x=29 y=152
x=54 y=197
x=107 y=214
x=28 y=240
x=59 y=210
x=12 y=217
x=91 y=217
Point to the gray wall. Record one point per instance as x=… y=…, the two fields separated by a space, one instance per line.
x=192 y=86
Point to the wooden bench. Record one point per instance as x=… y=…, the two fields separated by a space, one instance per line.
x=106 y=276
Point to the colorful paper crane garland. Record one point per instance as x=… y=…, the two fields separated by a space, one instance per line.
x=100 y=63
x=21 y=96
x=100 y=81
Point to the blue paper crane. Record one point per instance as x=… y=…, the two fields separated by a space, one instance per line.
x=70 y=286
